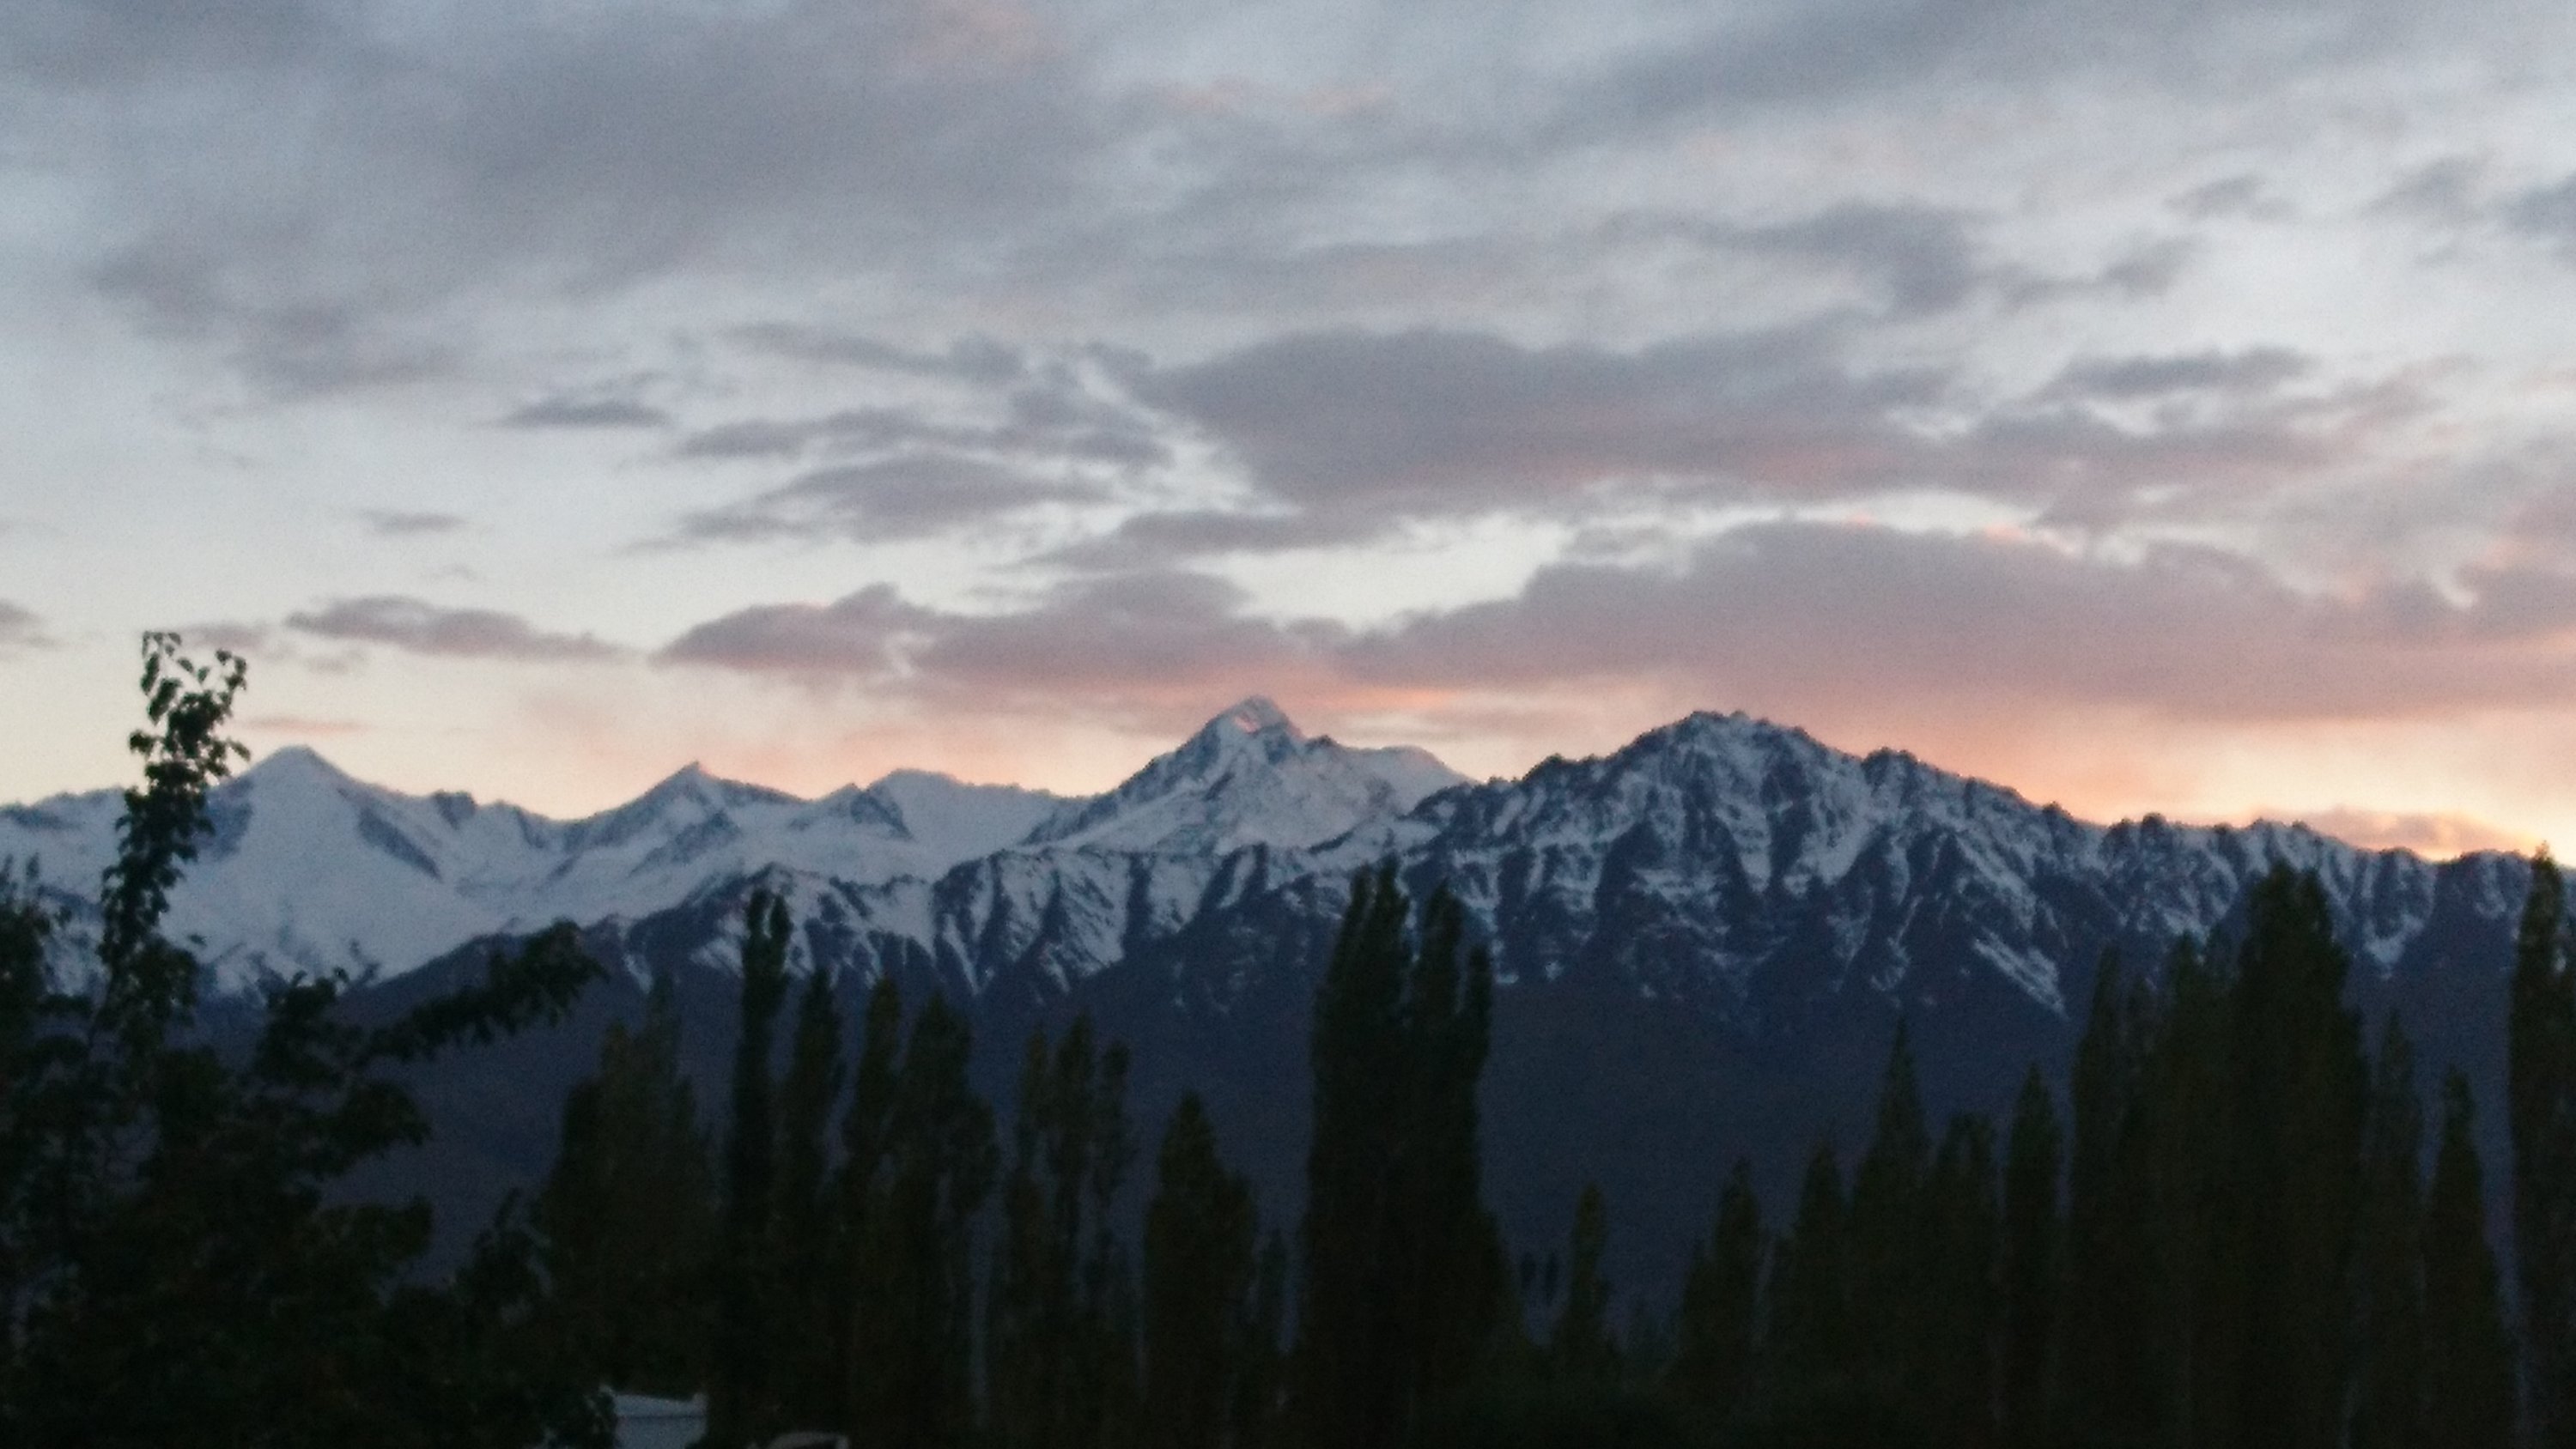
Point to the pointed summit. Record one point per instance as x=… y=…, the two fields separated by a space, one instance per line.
x=294 y=762
x=1256 y=715
x=1249 y=776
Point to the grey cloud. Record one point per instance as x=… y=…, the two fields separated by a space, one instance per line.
x=1825 y=51
x=1805 y=619
x=235 y=637
x=418 y=627
x=2244 y=196
x=1920 y=259
x=1155 y=539
x=857 y=637
x=1822 y=617
x=1923 y=256
x=183 y=286
x=2150 y=270
x=1056 y=424
x=1123 y=640
x=2255 y=370
x=1427 y=424
x=1449 y=422
x=970 y=359
x=908 y=496
x=87 y=43
x=2547 y=213
x=386 y=523
x=320 y=219
x=20 y=630
x=578 y=412
x=2450 y=191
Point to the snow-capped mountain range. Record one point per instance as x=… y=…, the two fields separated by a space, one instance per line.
x=1703 y=938
x=308 y=869
x=1702 y=861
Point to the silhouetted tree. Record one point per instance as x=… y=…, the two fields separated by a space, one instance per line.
x=2389 y=1404
x=912 y=1330
x=806 y=1221
x=2467 y=1378
x=1060 y=1343
x=2033 y=1235
x=1403 y=1274
x=1201 y=1330
x=742 y=1396
x=2300 y=1088
x=2541 y=1108
x=628 y=1215
x=1889 y=1248
x=1809 y=1350
x=1581 y=1348
x=1720 y=1316
x=182 y=1260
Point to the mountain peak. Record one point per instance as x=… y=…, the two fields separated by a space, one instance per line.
x=295 y=762
x=1255 y=715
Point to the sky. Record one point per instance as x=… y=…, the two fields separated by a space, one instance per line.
x=2150 y=408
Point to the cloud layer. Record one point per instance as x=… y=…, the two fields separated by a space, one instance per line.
x=1484 y=370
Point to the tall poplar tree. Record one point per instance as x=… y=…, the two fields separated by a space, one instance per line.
x=1201 y=1326
x=1889 y=1245
x=806 y=1218
x=1582 y=1347
x=1403 y=1270
x=1720 y=1318
x=1808 y=1347
x=2389 y=1403
x=2468 y=1379
x=1059 y=1341
x=627 y=1217
x=1960 y=1311
x=2300 y=1090
x=2032 y=1257
x=913 y=1271
x=2541 y=1108
x=2107 y=1363
x=742 y=1395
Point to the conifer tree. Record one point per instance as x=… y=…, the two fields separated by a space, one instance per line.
x=1059 y=1341
x=806 y=1222
x=2191 y=1182
x=628 y=1215
x=2389 y=1404
x=913 y=1271
x=742 y=1396
x=2541 y=1108
x=2468 y=1381
x=1889 y=1250
x=2109 y=1370
x=1809 y=1344
x=1260 y=1397
x=1201 y=1322
x=2032 y=1255
x=859 y=1189
x=1720 y=1316
x=1582 y=1348
x=1961 y=1310
x=1403 y=1274
x=2300 y=1092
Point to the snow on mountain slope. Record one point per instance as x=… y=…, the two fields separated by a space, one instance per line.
x=307 y=869
x=957 y=821
x=1248 y=777
x=1718 y=859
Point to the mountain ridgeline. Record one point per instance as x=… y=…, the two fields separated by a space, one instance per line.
x=1701 y=942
